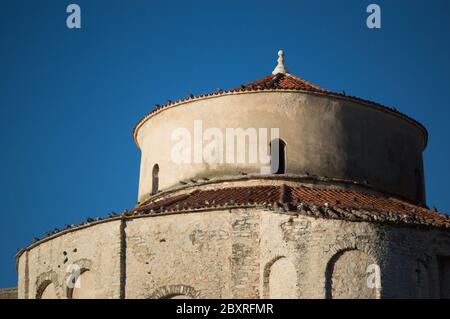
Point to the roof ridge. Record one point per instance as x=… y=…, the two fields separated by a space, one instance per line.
x=307 y=82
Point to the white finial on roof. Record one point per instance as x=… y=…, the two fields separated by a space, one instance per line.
x=280 y=66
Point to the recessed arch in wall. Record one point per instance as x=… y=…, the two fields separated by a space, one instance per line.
x=422 y=280
x=280 y=279
x=80 y=281
x=84 y=286
x=46 y=286
x=175 y=292
x=347 y=276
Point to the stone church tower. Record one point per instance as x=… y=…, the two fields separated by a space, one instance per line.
x=332 y=205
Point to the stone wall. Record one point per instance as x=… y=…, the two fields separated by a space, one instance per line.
x=96 y=249
x=8 y=293
x=331 y=257
x=239 y=253
x=192 y=250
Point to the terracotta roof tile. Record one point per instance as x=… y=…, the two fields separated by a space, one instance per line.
x=315 y=202
x=281 y=81
x=345 y=204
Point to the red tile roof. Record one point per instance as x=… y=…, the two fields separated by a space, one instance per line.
x=283 y=82
x=315 y=202
x=318 y=202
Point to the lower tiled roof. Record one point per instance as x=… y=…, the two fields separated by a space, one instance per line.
x=318 y=202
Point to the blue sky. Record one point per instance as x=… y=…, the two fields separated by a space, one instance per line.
x=69 y=98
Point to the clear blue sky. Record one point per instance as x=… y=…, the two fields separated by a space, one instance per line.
x=70 y=98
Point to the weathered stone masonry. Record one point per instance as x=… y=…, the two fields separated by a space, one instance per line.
x=231 y=253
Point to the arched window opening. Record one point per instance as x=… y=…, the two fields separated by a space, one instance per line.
x=277 y=156
x=419 y=185
x=155 y=179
